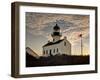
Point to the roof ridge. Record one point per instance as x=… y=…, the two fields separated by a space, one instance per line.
x=51 y=43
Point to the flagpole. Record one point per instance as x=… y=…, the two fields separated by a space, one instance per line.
x=81 y=46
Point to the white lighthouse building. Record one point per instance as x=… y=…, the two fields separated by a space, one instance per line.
x=58 y=46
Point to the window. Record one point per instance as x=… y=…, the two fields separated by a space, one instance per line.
x=50 y=52
x=53 y=39
x=46 y=51
x=57 y=49
x=54 y=50
x=64 y=43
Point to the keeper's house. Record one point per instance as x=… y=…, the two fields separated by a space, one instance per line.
x=57 y=46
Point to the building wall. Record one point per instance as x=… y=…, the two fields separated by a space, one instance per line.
x=62 y=49
x=52 y=47
x=65 y=47
x=56 y=38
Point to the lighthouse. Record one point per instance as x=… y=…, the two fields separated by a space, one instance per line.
x=56 y=35
x=57 y=46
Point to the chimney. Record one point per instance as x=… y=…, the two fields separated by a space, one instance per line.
x=65 y=37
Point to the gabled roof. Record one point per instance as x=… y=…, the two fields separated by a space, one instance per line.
x=31 y=52
x=52 y=43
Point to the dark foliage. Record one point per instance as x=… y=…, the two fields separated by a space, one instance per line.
x=56 y=60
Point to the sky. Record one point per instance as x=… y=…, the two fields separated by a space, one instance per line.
x=39 y=27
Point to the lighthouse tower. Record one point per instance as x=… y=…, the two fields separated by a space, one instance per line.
x=58 y=46
x=56 y=35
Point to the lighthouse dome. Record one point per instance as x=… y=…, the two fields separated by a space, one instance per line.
x=56 y=27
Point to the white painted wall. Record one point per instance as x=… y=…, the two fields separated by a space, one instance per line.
x=56 y=38
x=5 y=40
x=61 y=48
x=52 y=47
x=65 y=49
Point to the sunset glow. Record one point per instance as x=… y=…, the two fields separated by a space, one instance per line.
x=39 y=27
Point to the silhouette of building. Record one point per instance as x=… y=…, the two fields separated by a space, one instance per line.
x=57 y=46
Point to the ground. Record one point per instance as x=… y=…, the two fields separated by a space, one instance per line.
x=56 y=60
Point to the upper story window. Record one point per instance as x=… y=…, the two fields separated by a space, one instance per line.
x=53 y=39
x=64 y=43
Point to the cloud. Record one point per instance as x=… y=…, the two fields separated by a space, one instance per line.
x=41 y=24
x=71 y=25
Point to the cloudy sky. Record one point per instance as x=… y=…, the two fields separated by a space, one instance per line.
x=39 y=27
